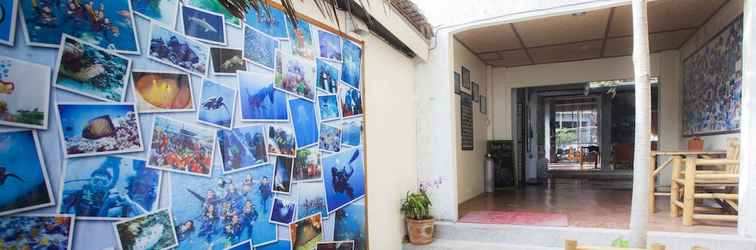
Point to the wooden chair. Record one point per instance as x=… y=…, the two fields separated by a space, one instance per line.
x=708 y=179
x=572 y=245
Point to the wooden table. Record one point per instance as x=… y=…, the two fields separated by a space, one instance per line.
x=675 y=158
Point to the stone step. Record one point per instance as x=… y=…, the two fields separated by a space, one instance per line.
x=442 y=244
x=554 y=237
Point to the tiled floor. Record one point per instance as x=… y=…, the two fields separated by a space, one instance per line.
x=588 y=203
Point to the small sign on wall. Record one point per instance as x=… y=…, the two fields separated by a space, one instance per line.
x=466 y=117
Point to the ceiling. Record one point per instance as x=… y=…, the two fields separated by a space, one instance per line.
x=587 y=35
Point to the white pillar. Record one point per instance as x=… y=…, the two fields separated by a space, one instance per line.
x=747 y=188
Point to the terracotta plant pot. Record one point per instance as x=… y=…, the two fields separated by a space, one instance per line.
x=420 y=231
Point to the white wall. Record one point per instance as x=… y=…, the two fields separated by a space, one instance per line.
x=470 y=173
x=725 y=16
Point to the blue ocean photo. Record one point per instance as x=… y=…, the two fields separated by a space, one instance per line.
x=37 y=232
x=99 y=128
x=259 y=48
x=282 y=176
x=350 y=100
x=259 y=100
x=351 y=132
x=246 y=245
x=172 y=48
x=278 y=245
x=215 y=6
x=164 y=11
x=126 y=187
x=310 y=199
x=330 y=45
x=330 y=138
x=87 y=70
x=242 y=148
x=271 y=21
x=216 y=104
x=351 y=66
x=106 y=23
x=329 y=107
x=350 y=225
x=240 y=201
x=305 y=121
x=283 y=211
x=203 y=25
x=8 y=21
x=23 y=180
x=344 y=178
x=327 y=76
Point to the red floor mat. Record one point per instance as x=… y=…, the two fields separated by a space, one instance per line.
x=516 y=218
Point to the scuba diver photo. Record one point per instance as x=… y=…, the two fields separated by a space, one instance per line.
x=36 y=232
x=242 y=148
x=259 y=101
x=351 y=66
x=281 y=141
x=216 y=104
x=282 y=176
x=216 y=213
x=24 y=184
x=328 y=75
x=271 y=22
x=329 y=108
x=175 y=49
x=350 y=100
x=282 y=212
x=148 y=231
x=181 y=147
x=108 y=188
x=344 y=178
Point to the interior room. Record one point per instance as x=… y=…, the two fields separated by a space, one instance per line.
x=560 y=121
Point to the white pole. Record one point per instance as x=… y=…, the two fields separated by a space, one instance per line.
x=639 y=211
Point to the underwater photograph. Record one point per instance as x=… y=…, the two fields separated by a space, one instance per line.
x=20 y=80
x=351 y=132
x=203 y=25
x=301 y=39
x=329 y=108
x=240 y=202
x=352 y=64
x=343 y=178
x=306 y=233
x=310 y=199
x=108 y=188
x=282 y=176
x=305 y=122
x=175 y=49
x=259 y=48
x=327 y=76
x=350 y=225
x=281 y=141
x=242 y=148
x=307 y=165
x=278 y=245
x=259 y=100
x=99 y=128
x=91 y=71
x=162 y=91
x=282 y=212
x=8 y=10
x=216 y=7
x=350 y=100
x=297 y=77
x=227 y=61
x=37 y=232
x=163 y=11
x=181 y=147
x=246 y=245
x=270 y=21
x=24 y=184
x=216 y=104
x=335 y=245
x=330 y=139
x=107 y=23
x=329 y=45
x=149 y=231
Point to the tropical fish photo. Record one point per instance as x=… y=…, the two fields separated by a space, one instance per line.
x=258 y=99
x=149 y=231
x=217 y=213
x=89 y=129
x=163 y=11
x=37 y=232
x=227 y=61
x=24 y=184
x=203 y=25
x=92 y=71
x=162 y=91
x=217 y=104
x=20 y=80
x=259 y=48
x=181 y=147
x=105 y=23
x=175 y=49
x=108 y=188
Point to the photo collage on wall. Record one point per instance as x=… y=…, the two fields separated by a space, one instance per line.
x=177 y=125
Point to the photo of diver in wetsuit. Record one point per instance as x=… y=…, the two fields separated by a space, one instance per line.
x=345 y=182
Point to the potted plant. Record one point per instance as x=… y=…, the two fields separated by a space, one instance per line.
x=416 y=210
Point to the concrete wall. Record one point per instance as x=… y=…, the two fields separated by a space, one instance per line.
x=725 y=16
x=470 y=174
